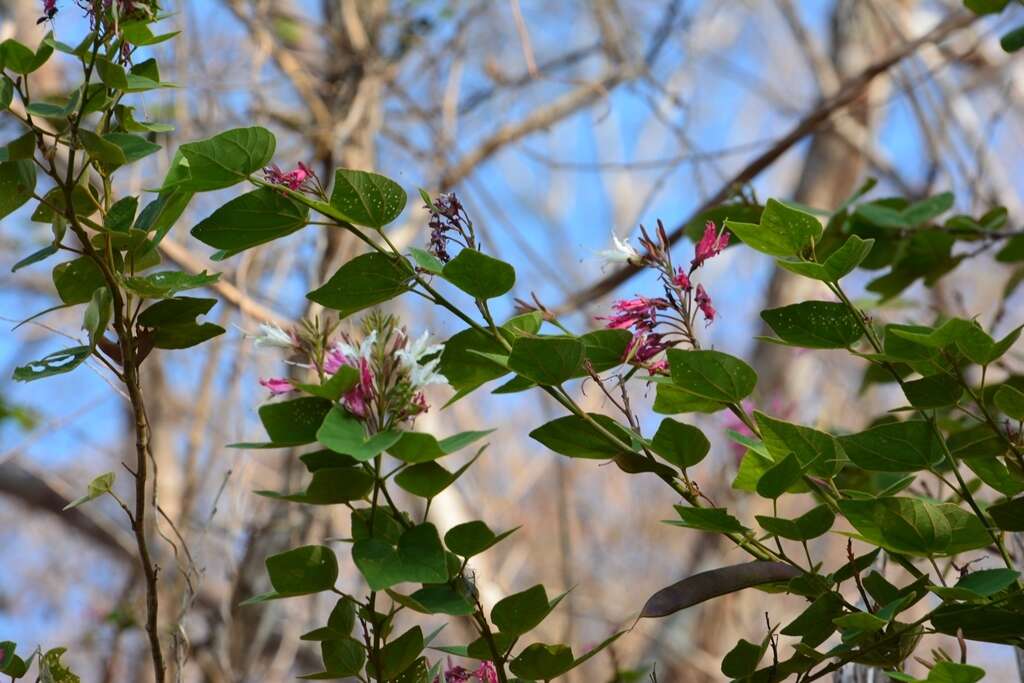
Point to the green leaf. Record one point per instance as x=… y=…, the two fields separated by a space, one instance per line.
x=813 y=523
x=341 y=432
x=894 y=447
x=363 y=282
x=522 y=612
x=167 y=283
x=1011 y=401
x=978 y=585
x=818 y=452
x=779 y=477
x=336 y=385
x=742 y=659
x=399 y=654
x=342 y=657
x=479 y=275
x=21 y=59
x=681 y=444
x=330 y=486
x=294 y=422
x=708 y=519
x=251 y=219
x=546 y=360
x=427 y=261
x=426 y=479
x=672 y=400
x=97 y=315
x=99 y=486
x=302 y=571
x=76 y=280
x=1013 y=40
x=138 y=33
x=6 y=93
x=577 y=438
x=186 y=335
x=542 y=662
x=1009 y=515
x=418 y=447
x=367 y=198
x=711 y=375
x=605 y=349
x=175 y=311
x=221 y=161
x=100 y=150
x=783 y=231
x=419 y=558
x=839 y=263
x=986 y=6
x=814 y=325
x=915 y=527
x=56 y=363
x=472 y=538
x=934 y=391
x=975 y=622
x=17 y=182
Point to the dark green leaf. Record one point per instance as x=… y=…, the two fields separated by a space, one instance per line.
x=221 y=161
x=681 y=444
x=818 y=452
x=708 y=519
x=418 y=558
x=546 y=360
x=363 y=282
x=472 y=538
x=605 y=349
x=811 y=524
x=367 y=198
x=56 y=363
x=522 y=612
x=894 y=447
x=779 y=477
x=1011 y=401
x=417 y=447
x=542 y=662
x=742 y=659
x=1013 y=40
x=838 y=264
x=175 y=311
x=17 y=182
x=330 y=486
x=479 y=275
x=1008 y=516
x=783 y=231
x=294 y=422
x=815 y=324
x=711 y=375
x=935 y=391
x=577 y=438
x=343 y=433
x=251 y=219
x=302 y=571
x=168 y=283
x=400 y=653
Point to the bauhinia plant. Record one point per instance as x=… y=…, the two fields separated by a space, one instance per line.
x=934 y=486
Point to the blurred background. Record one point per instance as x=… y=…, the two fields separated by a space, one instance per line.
x=556 y=123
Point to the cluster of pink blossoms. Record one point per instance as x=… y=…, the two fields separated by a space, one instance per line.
x=299 y=179
x=485 y=673
x=659 y=323
x=393 y=369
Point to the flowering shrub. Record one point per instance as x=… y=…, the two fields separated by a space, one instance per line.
x=351 y=402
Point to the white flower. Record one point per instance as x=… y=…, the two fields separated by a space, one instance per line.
x=623 y=251
x=273 y=336
x=420 y=375
x=364 y=351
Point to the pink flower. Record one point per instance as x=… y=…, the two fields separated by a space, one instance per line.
x=277 y=385
x=658 y=367
x=49 y=12
x=711 y=244
x=643 y=347
x=704 y=304
x=455 y=674
x=486 y=673
x=682 y=280
x=639 y=313
x=300 y=178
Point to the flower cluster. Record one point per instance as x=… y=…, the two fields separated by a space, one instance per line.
x=49 y=11
x=659 y=323
x=392 y=368
x=485 y=673
x=448 y=223
x=299 y=179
